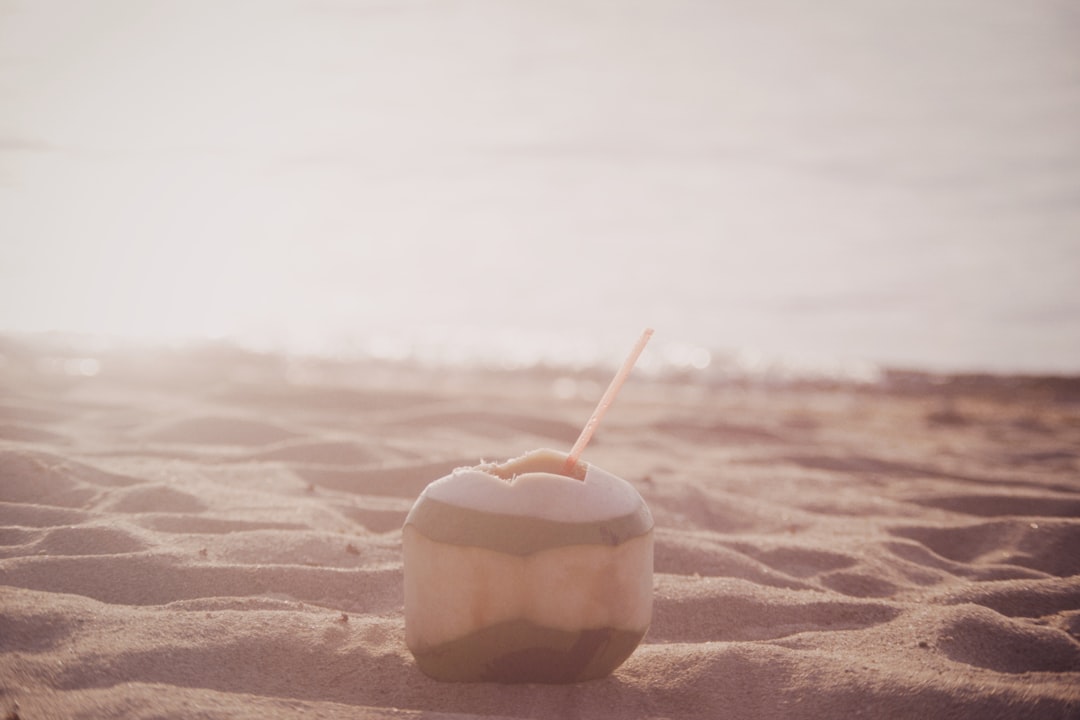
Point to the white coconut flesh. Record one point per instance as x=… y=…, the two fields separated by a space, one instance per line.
x=522 y=541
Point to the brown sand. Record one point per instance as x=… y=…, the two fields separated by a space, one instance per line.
x=214 y=534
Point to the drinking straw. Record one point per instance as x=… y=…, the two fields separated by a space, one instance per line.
x=606 y=400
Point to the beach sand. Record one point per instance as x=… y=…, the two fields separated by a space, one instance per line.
x=216 y=534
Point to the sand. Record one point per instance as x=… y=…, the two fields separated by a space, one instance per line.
x=215 y=534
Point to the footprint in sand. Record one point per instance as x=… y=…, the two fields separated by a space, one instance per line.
x=1032 y=598
x=1046 y=546
x=696 y=553
x=979 y=636
x=34 y=631
x=43 y=479
x=833 y=570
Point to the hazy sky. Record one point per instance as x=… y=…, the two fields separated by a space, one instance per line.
x=894 y=180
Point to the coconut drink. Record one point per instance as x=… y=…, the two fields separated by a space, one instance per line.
x=538 y=569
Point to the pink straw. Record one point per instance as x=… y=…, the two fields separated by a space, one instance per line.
x=606 y=400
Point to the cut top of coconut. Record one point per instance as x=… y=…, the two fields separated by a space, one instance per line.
x=534 y=485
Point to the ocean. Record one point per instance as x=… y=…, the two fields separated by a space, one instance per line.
x=777 y=186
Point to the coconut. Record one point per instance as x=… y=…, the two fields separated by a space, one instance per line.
x=527 y=572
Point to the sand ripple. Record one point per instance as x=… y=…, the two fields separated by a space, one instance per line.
x=819 y=552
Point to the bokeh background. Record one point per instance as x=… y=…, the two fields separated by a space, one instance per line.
x=892 y=182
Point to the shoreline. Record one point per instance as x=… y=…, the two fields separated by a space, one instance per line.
x=77 y=355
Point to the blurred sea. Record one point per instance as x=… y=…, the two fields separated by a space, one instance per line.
x=776 y=187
